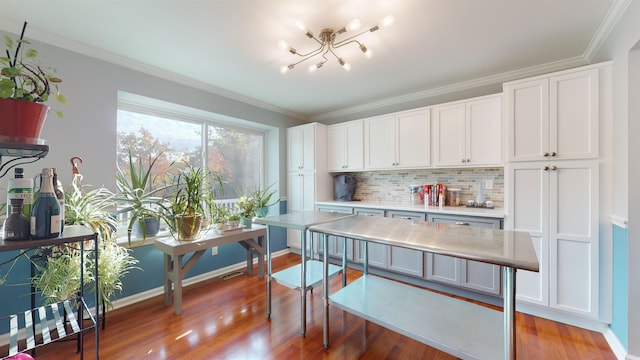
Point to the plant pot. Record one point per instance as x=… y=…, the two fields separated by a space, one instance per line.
x=188 y=227
x=21 y=121
x=245 y=222
x=151 y=225
x=262 y=211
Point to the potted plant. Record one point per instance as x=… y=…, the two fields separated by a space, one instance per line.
x=263 y=200
x=247 y=207
x=186 y=213
x=25 y=85
x=58 y=269
x=141 y=199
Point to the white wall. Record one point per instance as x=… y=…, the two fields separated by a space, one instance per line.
x=88 y=128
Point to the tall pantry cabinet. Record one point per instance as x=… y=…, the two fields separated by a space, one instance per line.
x=552 y=190
x=308 y=178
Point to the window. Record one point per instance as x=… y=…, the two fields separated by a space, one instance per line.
x=234 y=152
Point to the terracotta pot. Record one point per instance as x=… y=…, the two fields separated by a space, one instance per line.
x=21 y=121
x=188 y=227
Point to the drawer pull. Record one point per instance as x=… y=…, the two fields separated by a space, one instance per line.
x=461 y=223
x=406 y=218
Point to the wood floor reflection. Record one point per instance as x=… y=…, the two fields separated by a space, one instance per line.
x=225 y=319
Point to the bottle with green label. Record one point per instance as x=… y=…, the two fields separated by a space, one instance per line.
x=20 y=188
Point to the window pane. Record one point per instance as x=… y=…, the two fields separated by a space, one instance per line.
x=236 y=155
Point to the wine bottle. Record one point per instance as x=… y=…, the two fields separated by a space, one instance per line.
x=16 y=225
x=45 y=215
x=20 y=188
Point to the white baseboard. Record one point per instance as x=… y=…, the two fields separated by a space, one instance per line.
x=614 y=343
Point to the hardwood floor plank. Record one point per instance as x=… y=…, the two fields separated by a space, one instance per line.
x=225 y=319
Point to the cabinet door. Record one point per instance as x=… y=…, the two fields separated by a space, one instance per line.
x=528 y=209
x=354 y=145
x=377 y=252
x=301 y=198
x=413 y=139
x=406 y=261
x=301 y=147
x=469 y=274
x=573 y=239
x=380 y=143
x=573 y=119
x=336 y=147
x=483 y=131
x=449 y=135
x=336 y=243
x=527 y=120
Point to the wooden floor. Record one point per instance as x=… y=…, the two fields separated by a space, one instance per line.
x=225 y=319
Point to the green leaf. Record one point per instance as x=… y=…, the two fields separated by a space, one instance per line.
x=60 y=98
x=31 y=53
x=59 y=114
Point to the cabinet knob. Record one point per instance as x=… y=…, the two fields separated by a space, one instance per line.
x=554 y=168
x=546 y=168
x=553 y=153
x=468 y=160
x=546 y=154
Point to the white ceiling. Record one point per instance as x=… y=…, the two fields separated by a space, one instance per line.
x=231 y=46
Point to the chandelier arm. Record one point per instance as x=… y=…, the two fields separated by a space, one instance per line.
x=309 y=56
x=312 y=53
x=333 y=52
x=344 y=41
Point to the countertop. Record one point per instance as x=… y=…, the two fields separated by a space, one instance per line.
x=497 y=213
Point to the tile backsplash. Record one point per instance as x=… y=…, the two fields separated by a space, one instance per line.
x=393 y=186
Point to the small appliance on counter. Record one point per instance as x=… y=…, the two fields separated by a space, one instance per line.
x=344 y=186
x=416 y=195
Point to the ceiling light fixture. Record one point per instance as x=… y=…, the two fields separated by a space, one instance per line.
x=328 y=44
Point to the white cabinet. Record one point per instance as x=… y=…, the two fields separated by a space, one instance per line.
x=553 y=117
x=346 y=146
x=308 y=178
x=399 y=140
x=301 y=146
x=468 y=133
x=464 y=273
x=557 y=203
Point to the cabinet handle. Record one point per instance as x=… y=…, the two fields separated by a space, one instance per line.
x=406 y=217
x=462 y=161
x=546 y=154
x=546 y=168
x=468 y=160
x=554 y=168
x=461 y=223
x=553 y=153
x=368 y=214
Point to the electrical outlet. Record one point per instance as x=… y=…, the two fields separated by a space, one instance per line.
x=214 y=251
x=488 y=184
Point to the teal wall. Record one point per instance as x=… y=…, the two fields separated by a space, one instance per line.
x=619 y=323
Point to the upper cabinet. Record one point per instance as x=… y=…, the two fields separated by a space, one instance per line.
x=346 y=146
x=399 y=140
x=301 y=142
x=553 y=117
x=468 y=133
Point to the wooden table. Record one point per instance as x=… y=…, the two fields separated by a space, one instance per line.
x=463 y=329
x=308 y=273
x=174 y=252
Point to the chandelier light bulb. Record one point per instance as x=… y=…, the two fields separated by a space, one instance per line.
x=301 y=26
x=283 y=45
x=285 y=69
x=367 y=52
x=345 y=65
x=353 y=25
x=387 y=21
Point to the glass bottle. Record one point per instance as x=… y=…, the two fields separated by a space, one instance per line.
x=57 y=188
x=45 y=215
x=16 y=225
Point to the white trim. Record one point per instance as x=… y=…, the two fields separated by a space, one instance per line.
x=615 y=345
x=619 y=221
x=562 y=317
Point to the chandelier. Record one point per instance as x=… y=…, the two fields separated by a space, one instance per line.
x=329 y=43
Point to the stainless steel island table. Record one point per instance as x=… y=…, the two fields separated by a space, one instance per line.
x=309 y=272
x=461 y=328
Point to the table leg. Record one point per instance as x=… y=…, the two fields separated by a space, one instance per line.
x=325 y=289
x=249 y=261
x=167 y=279
x=177 y=284
x=261 y=257
x=344 y=261
x=509 y=313
x=303 y=282
x=268 y=251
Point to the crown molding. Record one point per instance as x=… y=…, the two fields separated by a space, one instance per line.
x=616 y=11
